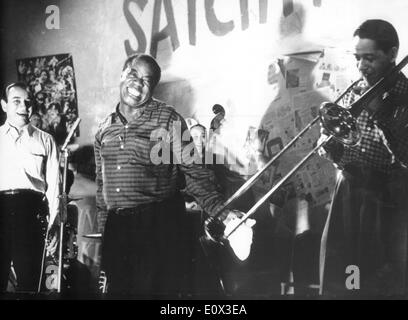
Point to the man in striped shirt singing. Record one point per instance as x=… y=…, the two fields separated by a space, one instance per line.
x=142 y=163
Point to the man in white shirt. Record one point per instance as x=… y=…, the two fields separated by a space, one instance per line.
x=29 y=191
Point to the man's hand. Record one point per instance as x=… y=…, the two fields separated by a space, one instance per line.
x=322 y=151
x=193 y=206
x=52 y=245
x=231 y=215
x=215 y=227
x=324 y=134
x=376 y=103
x=241 y=239
x=332 y=150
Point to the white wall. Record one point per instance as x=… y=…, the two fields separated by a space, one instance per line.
x=94 y=33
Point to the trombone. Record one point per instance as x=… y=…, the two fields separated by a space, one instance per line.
x=339 y=122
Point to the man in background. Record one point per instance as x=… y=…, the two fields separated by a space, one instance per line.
x=29 y=190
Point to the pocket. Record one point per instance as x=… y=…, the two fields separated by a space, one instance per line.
x=34 y=163
x=152 y=170
x=110 y=146
x=140 y=151
x=143 y=152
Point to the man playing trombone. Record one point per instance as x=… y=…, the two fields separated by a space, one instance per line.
x=364 y=244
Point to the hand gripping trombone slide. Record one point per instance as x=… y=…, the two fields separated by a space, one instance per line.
x=339 y=122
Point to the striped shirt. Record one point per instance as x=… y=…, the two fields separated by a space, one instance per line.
x=126 y=173
x=384 y=137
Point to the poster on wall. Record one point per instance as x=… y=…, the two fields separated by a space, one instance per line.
x=51 y=81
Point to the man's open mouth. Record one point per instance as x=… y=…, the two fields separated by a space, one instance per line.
x=133 y=93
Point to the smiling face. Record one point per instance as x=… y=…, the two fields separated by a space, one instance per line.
x=372 y=62
x=36 y=120
x=43 y=76
x=40 y=98
x=37 y=72
x=137 y=84
x=17 y=107
x=199 y=135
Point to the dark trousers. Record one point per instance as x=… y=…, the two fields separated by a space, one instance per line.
x=367 y=227
x=144 y=249
x=22 y=230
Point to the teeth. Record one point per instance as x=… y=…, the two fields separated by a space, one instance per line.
x=134 y=92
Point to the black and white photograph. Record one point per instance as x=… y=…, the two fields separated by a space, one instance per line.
x=51 y=83
x=204 y=150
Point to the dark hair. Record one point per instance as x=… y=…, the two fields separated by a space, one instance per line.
x=149 y=60
x=46 y=71
x=40 y=93
x=35 y=114
x=198 y=125
x=20 y=85
x=55 y=106
x=382 y=32
x=64 y=102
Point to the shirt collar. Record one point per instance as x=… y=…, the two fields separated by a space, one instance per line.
x=119 y=115
x=28 y=128
x=149 y=107
x=400 y=86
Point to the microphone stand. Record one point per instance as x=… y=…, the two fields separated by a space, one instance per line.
x=63 y=200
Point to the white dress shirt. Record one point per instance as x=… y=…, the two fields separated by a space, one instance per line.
x=29 y=160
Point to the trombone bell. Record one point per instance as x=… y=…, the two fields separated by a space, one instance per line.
x=339 y=123
x=214 y=229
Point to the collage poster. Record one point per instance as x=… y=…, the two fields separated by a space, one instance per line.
x=51 y=82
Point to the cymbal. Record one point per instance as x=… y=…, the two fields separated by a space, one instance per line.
x=93 y=236
x=73 y=199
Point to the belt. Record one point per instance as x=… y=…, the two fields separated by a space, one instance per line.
x=370 y=178
x=141 y=208
x=358 y=171
x=131 y=211
x=13 y=192
x=362 y=171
